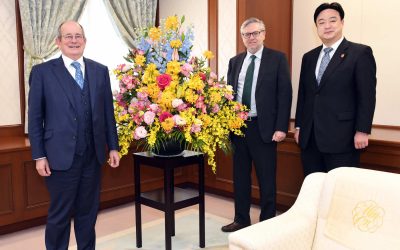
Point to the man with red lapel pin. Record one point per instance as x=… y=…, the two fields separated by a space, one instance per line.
x=336 y=98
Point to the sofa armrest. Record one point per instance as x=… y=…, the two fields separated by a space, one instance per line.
x=293 y=229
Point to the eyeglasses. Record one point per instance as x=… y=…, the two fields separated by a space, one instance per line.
x=70 y=37
x=255 y=34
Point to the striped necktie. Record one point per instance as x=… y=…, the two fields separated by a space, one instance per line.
x=324 y=63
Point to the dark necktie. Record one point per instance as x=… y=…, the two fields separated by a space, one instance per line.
x=248 y=82
x=324 y=63
x=78 y=73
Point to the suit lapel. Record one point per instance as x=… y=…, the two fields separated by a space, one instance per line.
x=238 y=67
x=63 y=77
x=336 y=60
x=91 y=72
x=314 y=60
x=264 y=64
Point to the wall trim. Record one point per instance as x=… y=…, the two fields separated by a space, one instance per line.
x=213 y=33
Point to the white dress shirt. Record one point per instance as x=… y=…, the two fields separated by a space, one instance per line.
x=242 y=76
x=70 y=68
x=321 y=54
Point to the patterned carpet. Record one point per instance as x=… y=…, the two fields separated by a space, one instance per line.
x=186 y=234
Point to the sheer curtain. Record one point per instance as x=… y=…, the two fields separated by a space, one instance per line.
x=128 y=15
x=40 y=20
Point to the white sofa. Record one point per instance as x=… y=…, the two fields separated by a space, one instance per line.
x=347 y=208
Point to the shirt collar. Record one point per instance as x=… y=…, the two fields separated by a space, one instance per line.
x=335 y=45
x=68 y=61
x=258 y=54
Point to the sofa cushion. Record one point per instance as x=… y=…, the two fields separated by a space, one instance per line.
x=359 y=210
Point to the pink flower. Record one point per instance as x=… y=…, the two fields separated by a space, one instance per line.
x=200 y=102
x=154 y=108
x=243 y=115
x=195 y=128
x=229 y=96
x=132 y=108
x=176 y=102
x=213 y=76
x=164 y=115
x=127 y=79
x=137 y=118
x=140 y=133
x=182 y=107
x=163 y=81
x=178 y=120
x=149 y=117
x=215 y=109
x=142 y=95
x=125 y=68
x=121 y=66
x=141 y=105
x=186 y=69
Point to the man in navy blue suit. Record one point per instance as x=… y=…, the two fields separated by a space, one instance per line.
x=71 y=124
x=336 y=99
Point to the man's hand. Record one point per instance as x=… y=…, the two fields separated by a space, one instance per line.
x=296 y=135
x=114 y=159
x=42 y=167
x=360 y=140
x=278 y=136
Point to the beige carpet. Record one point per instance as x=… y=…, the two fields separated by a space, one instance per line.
x=186 y=234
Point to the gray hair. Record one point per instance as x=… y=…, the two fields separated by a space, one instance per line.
x=59 y=28
x=250 y=21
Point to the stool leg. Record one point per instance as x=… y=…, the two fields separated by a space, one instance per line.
x=201 y=204
x=138 y=212
x=172 y=202
x=168 y=185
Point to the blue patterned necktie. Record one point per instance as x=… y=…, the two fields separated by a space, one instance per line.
x=248 y=82
x=324 y=63
x=78 y=74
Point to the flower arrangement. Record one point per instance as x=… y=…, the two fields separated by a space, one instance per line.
x=165 y=94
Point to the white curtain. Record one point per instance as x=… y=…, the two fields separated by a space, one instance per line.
x=128 y=15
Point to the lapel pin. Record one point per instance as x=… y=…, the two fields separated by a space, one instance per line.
x=342 y=55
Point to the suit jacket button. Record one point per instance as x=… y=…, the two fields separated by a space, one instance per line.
x=74 y=137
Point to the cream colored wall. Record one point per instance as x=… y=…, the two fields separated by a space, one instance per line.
x=372 y=22
x=199 y=18
x=366 y=21
x=195 y=13
x=9 y=81
x=226 y=34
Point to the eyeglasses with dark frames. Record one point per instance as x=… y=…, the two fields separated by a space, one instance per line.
x=255 y=34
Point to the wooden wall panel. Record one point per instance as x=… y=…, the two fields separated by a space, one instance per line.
x=35 y=187
x=277 y=16
x=6 y=192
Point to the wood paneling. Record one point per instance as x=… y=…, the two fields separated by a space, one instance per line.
x=277 y=16
x=6 y=192
x=24 y=199
x=213 y=33
x=35 y=193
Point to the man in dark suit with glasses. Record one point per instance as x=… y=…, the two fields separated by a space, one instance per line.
x=261 y=80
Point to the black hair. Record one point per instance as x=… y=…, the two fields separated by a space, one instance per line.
x=334 y=6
